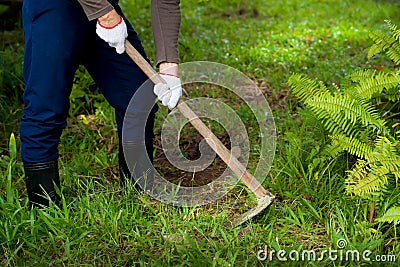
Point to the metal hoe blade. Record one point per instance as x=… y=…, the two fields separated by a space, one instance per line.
x=263 y=203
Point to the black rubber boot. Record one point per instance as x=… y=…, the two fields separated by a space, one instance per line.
x=124 y=172
x=40 y=179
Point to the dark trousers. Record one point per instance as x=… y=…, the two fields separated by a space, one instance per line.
x=58 y=38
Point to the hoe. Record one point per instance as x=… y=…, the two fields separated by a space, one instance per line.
x=264 y=198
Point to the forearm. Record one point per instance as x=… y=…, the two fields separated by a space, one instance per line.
x=169 y=68
x=110 y=19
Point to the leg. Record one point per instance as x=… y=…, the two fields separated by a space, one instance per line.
x=118 y=78
x=52 y=46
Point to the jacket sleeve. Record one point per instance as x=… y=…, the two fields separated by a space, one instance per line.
x=166 y=21
x=95 y=8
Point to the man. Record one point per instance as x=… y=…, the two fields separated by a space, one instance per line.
x=59 y=36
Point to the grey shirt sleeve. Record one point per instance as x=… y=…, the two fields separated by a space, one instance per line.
x=166 y=21
x=165 y=18
x=95 y=8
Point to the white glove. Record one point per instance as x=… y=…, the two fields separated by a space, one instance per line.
x=170 y=93
x=114 y=36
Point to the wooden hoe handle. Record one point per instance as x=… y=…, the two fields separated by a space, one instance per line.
x=232 y=162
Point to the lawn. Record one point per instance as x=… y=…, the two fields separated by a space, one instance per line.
x=101 y=223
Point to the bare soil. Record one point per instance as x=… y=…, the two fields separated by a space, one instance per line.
x=190 y=145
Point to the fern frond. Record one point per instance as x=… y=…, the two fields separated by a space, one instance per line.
x=380 y=171
x=368 y=107
x=360 y=75
x=375 y=49
x=385 y=154
x=359 y=172
x=304 y=87
x=371 y=174
x=385 y=147
x=393 y=52
x=393 y=28
x=381 y=41
x=391 y=216
x=392 y=165
x=342 y=143
x=345 y=111
x=363 y=180
x=390 y=43
x=373 y=86
x=393 y=94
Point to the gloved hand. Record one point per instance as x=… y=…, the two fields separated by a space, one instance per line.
x=115 y=36
x=170 y=93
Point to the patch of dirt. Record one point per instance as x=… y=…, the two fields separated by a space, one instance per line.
x=189 y=145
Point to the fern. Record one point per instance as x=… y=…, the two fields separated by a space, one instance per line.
x=372 y=173
x=374 y=86
x=363 y=180
x=382 y=43
x=393 y=28
x=386 y=154
x=304 y=88
x=360 y=75
x=390 y=44
x=394 y=53
x=346 y=111
x=341 y=143
x=391 y=216
x=393 y=94
x=355 y=118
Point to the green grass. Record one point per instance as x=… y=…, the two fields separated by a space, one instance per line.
x=101 y=223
